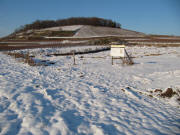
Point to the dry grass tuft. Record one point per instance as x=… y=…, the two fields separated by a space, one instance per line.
x=26 y=58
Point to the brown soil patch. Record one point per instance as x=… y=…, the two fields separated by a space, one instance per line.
x=157 y=90
x=168 y=93
x=123 y=90
x=153 y=54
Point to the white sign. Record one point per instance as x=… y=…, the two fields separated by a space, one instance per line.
x=117 y=51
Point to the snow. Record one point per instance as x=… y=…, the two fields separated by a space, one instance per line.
x=87 y=31
x=96 y=31
x=71 y=28
x=91 y=97
x=64 y=28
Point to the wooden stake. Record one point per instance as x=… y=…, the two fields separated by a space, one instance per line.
x=74 y=59
x=129 y=60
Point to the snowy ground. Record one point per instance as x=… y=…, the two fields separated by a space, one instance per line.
x=92 y=97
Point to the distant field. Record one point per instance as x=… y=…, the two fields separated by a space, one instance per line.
x=61 y=42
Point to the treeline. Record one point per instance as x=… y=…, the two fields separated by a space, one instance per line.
x=40 y=24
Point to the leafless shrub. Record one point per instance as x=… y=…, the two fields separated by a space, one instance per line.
x=26 y=58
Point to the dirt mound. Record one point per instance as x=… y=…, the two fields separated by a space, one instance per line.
x=168 y=93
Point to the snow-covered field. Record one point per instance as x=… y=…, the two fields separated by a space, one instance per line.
x=91 y=97
x=64 y=28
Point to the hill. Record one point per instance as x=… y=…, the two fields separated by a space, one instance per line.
x=91 y=31
x=79 y=27
x=94 y=21
x=72 y=31
x=80 y=31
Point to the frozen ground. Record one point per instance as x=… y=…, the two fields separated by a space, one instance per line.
x=92 y=97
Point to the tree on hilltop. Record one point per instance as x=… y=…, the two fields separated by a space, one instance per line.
x=94 y=21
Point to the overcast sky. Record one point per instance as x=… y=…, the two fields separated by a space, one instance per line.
x=148 y=16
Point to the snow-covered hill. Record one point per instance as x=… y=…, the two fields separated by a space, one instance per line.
x=91 y=97
x=92 y=31
x=74 y=31
x=86 y=34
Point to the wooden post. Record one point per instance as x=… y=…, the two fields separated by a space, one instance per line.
x=129 y=60
x=112 y=60
x=74 y=59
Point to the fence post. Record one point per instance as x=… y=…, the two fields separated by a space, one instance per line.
x=74 y=59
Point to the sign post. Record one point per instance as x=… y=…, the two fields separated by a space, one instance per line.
x=119 y=51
